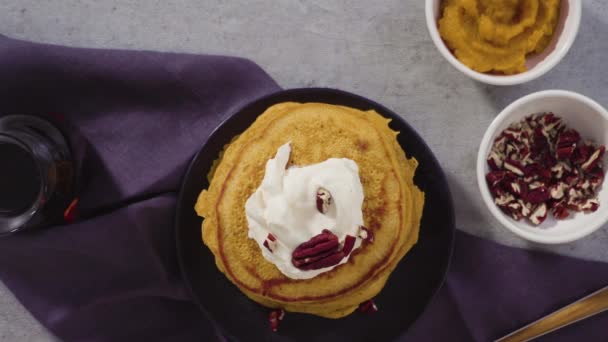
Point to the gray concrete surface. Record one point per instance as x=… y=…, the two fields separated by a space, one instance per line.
x=379 y=49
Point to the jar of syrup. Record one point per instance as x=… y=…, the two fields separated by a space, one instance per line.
x=36 y=173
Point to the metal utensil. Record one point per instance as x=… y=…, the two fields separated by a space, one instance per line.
x=588 y=306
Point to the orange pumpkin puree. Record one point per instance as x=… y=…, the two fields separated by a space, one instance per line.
x=497 y=35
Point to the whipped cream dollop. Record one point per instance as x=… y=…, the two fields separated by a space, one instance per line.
x=285 y=206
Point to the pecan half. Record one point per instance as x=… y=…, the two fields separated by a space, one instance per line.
x=322 y=250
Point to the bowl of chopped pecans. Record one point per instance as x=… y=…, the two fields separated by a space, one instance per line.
x=541 y=167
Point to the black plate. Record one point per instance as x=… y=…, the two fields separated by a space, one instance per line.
x=407 y=292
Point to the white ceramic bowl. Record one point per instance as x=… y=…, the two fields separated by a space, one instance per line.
x=579 y=112
x=538 y=65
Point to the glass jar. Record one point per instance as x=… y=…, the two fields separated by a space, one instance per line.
x=36 y=173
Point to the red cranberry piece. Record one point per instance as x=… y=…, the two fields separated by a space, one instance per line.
x=71 y=213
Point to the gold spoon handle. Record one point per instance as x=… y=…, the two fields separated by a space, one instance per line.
x=585 y=307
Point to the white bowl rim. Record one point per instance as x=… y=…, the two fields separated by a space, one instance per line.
x=481 y=161
x=575 y=10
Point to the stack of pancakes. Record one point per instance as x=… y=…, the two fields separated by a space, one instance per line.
x=392 y=207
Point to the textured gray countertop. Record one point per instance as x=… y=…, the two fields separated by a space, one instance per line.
x=379 y=49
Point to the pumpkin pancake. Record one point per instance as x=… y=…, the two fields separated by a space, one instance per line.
x=392 y=205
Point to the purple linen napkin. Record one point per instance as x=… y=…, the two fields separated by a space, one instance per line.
x=492 y=290
x=136 y=119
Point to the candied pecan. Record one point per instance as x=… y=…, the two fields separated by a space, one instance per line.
x=571 y=179
x=581 y=154
x=365 y=234
x=514 y=166
x=590 y=205
x=495 y=177
x=539 y=214
x=560 y=169
x=368 y=307
x=557 y=191
x=517 y=188
x=526 y=208
x=325 y=241
x=322 y=250
x=593 y=159
x=548 y=161
x=537 y=195
x=515 y=210
x=495 y=161
x=349 y=244
x=596 y=177
x=568 y=137
x=274 y=318
x=537 y=170
x=270 y=243
x=538 y=164
x=504 y=199
x=512 y=134
x=564 y=152
x=323 y=200
x=560 y=211
x=583 y=185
